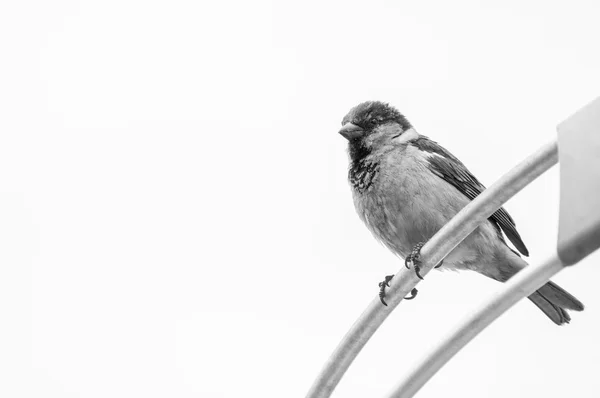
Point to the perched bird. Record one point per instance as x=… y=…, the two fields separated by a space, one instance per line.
x=406 y=187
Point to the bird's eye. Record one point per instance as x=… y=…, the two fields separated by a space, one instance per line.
x=373 y=122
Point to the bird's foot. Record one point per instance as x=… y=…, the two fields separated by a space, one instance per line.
x=413 y=258
x=386 y=283
x=382 y=286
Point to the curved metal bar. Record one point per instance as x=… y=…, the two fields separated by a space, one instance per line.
x=432 y=253
x=518 y=287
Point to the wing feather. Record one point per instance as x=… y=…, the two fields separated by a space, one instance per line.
x=449 y=168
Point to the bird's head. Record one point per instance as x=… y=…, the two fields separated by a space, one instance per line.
x=372 y=126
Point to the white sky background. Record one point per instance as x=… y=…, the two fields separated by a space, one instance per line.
x=174 y=213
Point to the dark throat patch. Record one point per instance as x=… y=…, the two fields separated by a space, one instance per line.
x=362 y=175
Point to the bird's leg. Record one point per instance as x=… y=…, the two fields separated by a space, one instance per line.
x=386 y=283
x=413 y=258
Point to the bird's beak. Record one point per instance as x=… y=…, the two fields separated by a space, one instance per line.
x=350 y=131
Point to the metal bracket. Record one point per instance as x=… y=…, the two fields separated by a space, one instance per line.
x=579 y=158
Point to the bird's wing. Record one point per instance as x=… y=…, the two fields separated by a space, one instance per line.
x=449 y=168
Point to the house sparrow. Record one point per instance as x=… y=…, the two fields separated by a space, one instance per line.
x=406 y=187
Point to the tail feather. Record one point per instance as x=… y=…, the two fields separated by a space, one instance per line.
x=557 y=314
x=553 y=300
x=558 y=296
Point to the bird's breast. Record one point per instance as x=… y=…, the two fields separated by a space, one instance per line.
x=403 y=203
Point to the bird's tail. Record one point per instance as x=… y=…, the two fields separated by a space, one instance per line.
x=553 y=300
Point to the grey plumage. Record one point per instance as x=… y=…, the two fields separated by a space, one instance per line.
x=406 y=187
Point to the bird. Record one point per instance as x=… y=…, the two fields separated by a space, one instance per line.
x=406 y=187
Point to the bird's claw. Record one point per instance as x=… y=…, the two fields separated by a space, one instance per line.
x=413 y=258
x=418 y=272
x=382 y=286
x=386 y=283
x=413 y=294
